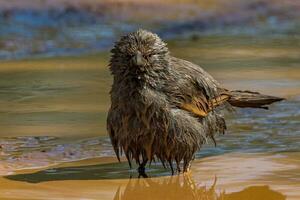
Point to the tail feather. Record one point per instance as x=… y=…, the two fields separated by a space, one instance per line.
x=244 y=99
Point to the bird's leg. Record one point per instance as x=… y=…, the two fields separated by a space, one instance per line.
x=178 y=166
x=143 y=175
x=171 y=166
x=141 y=168
x=163 y=164
x=178 y=169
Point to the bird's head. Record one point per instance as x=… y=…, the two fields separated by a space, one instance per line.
x=139 y=52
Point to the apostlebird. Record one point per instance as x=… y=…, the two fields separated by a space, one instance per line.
x=165 y=108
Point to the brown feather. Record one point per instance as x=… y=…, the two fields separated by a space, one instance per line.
x=161 y=106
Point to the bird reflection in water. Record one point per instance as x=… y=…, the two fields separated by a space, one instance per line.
x=184 y=187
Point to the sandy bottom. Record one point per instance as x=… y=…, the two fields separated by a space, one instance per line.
x=230 y=176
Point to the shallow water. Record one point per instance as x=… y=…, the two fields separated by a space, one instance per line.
x=230 y=177
x=53 y=112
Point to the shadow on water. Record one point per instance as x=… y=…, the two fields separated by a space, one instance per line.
x=184 y=187
x=163 y=187
x=89 y=172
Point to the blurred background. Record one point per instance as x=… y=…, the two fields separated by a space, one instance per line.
x=54 y=79
x=67 y=27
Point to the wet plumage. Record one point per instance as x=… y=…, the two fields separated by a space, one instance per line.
x=162 y=107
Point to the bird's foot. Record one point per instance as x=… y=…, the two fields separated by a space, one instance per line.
x=141 y=169
x=142 y=172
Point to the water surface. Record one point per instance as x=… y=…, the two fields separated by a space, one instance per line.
x=53 y=112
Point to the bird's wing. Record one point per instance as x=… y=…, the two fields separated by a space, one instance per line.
x=110 y=124
x=197 y=91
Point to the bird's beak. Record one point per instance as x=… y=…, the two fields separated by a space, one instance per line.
x=138 y=59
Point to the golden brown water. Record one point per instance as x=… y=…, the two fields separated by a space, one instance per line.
x=69 y=96
x=231 y=176
x=54 y=144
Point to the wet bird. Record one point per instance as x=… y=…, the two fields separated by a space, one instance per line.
x=165 y=108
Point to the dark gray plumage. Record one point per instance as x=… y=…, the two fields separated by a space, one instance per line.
x=162 y=107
